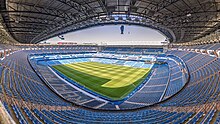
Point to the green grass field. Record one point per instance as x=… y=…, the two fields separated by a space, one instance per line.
x=112 y=81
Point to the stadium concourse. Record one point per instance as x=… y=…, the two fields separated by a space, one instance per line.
x=175 y=82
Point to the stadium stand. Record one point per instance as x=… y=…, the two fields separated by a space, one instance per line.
x=165 y=81
x=181 y=85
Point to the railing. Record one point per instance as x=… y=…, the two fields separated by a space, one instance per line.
x=5 y=118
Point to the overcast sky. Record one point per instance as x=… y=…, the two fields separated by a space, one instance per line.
x=110 y=34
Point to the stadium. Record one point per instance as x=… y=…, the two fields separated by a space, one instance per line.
x=110 y=61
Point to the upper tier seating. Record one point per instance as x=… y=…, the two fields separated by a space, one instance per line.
x=21 y=82
x=204 y=77
x=131 y=50
x=215 y=46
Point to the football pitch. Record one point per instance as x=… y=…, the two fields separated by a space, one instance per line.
x=112 y=81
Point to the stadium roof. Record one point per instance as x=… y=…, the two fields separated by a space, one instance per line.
x=31 y=21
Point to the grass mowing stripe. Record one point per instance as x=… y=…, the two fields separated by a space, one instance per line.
x=95 y=72
x=111 y=73
x=112 y=81
x=87 y=67
x=100 y=66
x=97 y=65
x=78 y=76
